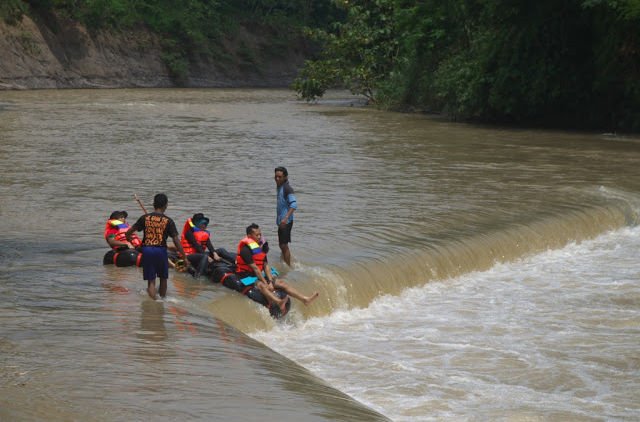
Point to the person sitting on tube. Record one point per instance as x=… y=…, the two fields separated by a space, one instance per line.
x=252 y=265
x=115 y=229
x=196 y=242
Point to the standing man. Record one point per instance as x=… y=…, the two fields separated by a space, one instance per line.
x=157 y=227
x=284 y=215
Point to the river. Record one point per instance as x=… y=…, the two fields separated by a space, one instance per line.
x=465 y=272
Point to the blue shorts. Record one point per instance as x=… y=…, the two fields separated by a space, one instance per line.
x=155 y=262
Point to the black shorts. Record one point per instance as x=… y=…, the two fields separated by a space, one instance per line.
x=284 y=234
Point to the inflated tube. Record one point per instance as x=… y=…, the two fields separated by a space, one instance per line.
x=224 y=274
x=123 y=258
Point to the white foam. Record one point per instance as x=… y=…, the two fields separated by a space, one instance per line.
x=551 y=331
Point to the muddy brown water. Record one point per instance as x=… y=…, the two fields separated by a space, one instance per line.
x=390 y=205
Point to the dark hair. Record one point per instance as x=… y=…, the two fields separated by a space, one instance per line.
x=251 y=228
x=284 y=171
x=118 y=214
x=160 y=201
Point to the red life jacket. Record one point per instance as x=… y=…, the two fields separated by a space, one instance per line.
x=259 y=256
x=202 y=236
x=118 y=229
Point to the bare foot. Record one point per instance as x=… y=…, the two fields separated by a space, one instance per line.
x=311 y=298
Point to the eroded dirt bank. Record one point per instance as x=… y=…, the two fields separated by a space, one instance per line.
x=37 y=55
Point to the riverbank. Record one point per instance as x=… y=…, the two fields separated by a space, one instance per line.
x=35 y=54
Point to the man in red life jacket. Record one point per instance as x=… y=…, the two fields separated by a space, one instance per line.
x=196 y=242
x=115 y=229
x=251 y=262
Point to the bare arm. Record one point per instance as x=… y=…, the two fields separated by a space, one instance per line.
x=258 y=273
x=176 y=242
x=286 y=217
x=111 y=240
x=212 y=251
x=129 y=234
x=267 y=271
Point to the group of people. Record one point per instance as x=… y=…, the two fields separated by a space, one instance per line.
x=195 y=246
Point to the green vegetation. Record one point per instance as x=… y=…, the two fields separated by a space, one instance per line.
x=568 y=63
x=358 y=55
x=188 y=28
x=573 y=63
x=12 y=10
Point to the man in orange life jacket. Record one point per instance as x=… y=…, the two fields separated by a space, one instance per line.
x=115 y=229
x=251 y=261
x=196 y=241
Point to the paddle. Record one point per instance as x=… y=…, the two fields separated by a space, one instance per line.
x=135 y=196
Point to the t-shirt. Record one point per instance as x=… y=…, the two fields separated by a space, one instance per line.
x=286 y=199
x=157 y=228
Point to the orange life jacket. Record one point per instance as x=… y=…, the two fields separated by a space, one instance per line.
x=202 y=236
x=117 y=228
x=259 y=256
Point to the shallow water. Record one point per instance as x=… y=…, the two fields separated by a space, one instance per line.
x=465 y=273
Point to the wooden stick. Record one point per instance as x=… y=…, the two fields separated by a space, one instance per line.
x=135 y=196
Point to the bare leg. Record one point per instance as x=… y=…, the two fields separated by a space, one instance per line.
x=286 y=253
x=151 y=288
x=280 y=284
x=163 y=287
x=264 y=289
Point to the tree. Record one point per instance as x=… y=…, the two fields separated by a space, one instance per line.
x=573 y=63
x=358 y=54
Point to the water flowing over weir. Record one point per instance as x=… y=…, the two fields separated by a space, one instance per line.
x=464 y=272
x=359 y=283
